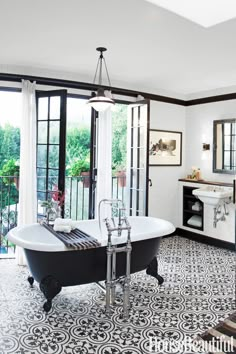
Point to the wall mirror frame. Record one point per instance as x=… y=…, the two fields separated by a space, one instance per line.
x=224 y=146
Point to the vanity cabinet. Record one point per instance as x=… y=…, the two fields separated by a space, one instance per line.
x=224 y=230
x=193 y=210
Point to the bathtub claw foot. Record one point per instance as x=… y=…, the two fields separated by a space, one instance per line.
x=160 y=279
x=152 y=270
x=30 y=280
x=47 y=306
x=50 y=287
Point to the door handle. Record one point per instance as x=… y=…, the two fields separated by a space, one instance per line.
x=150 y=182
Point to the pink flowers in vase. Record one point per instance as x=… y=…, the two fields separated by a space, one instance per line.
x=58 y=196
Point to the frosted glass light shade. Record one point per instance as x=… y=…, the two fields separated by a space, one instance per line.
x=100 y=102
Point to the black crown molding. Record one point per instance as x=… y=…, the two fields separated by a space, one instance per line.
x=211 y=99
x=115 y=90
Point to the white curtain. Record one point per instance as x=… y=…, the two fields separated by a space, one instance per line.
x=104 y=161
x=27 y=190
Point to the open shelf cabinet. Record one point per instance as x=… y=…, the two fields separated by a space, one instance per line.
x=188 y=202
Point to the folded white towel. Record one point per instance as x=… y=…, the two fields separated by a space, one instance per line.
x=62 y=228
x=60 y=221
x=197 y=206
x=66 y=222
x=195 y=220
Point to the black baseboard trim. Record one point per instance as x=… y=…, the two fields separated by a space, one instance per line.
x=204 y=239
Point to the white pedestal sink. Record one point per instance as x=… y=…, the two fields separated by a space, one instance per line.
x=213 y=195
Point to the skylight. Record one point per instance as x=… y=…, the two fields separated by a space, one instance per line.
x=206 y=13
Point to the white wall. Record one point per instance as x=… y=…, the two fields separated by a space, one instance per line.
x=199 y=127
x=196 y=124
x=163 y=195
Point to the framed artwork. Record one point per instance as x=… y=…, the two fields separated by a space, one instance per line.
x=165 y=148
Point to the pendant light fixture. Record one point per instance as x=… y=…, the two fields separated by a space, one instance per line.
x=101 y=102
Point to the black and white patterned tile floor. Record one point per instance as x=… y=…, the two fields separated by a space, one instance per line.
x=198 y=292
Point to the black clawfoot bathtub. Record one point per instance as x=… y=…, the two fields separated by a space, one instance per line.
x=54 y=266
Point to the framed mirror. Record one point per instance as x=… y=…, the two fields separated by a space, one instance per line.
x=224 y=146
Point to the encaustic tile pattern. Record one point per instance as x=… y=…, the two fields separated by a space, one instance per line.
x=198 y=292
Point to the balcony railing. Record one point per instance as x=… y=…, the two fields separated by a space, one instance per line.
x=9 y=198
x=76 y=203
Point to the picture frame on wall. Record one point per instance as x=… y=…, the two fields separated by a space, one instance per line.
x=165 y=148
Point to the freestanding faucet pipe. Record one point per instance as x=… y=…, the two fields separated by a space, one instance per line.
x=112 y=250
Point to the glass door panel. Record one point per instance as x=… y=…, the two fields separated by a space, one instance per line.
x=51 y=136
x=79 y=147
x=137 y=171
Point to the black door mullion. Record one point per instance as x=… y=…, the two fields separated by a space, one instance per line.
x=62 y=147
x=231 y=147
x=138 y=163
x=93 y=163
x=47 y=158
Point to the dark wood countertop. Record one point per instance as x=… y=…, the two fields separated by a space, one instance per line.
x=223 y=184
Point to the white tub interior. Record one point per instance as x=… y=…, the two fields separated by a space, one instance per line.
x=36 y=237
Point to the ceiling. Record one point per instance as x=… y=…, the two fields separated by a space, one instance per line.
x=206 y=13
x=149 y=48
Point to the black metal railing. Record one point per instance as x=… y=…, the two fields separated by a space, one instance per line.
x=118 y=187
x=76 y=202
x=77 y=197
x=9 y=198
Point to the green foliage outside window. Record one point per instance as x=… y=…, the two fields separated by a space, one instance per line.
x=77 y=144
x=9 y=164
x=10 y=169
x=8 y=193
x=9 y=144
x=119 y=138
x=78 y=167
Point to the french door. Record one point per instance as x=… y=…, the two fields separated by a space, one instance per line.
x=51 y=138
x=137 y=158
x=51 y=154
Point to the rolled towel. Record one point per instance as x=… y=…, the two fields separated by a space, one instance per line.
x=62 y=228
x=66 y=222
x=60 y=221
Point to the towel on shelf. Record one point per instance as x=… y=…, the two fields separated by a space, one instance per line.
x=60 y=221
x=77 y=239
x=62 y=228
x=195 y=220
x=65 y=225
x=197 y=206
